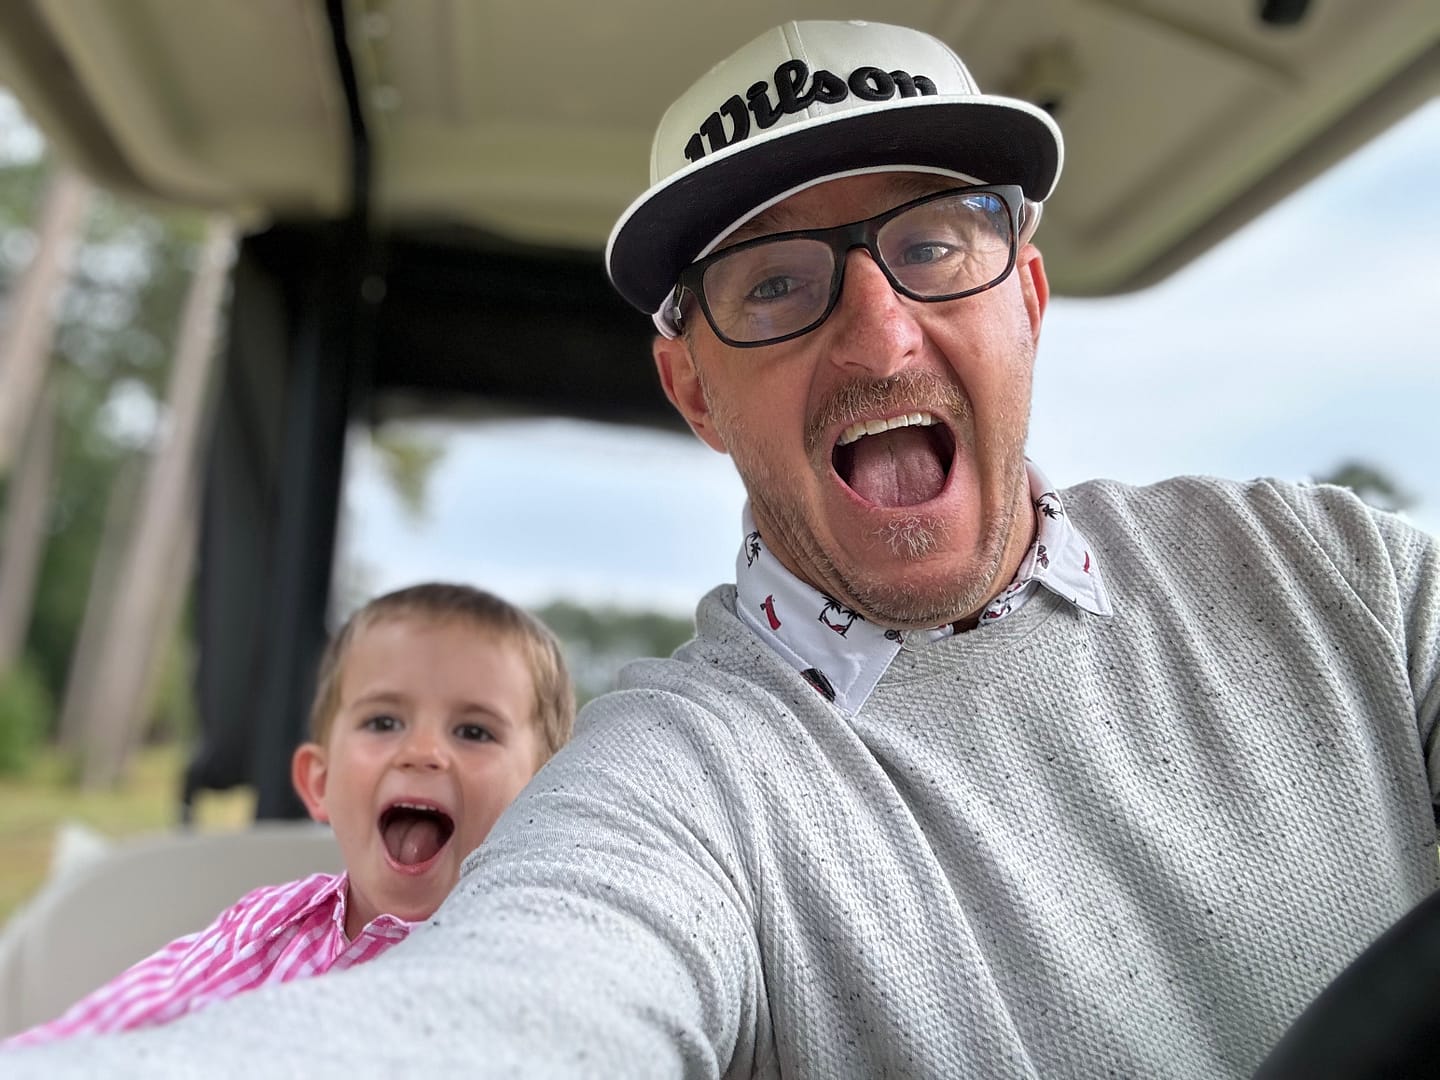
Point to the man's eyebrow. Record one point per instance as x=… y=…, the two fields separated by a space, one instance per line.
x=781 y=218
x=773 y=219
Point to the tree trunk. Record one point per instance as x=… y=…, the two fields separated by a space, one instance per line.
x=30 y=327
x=23 y=541
x=111 y=700
x=120 y=510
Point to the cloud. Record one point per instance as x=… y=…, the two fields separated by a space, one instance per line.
x=544 y=509
x=1309 y=338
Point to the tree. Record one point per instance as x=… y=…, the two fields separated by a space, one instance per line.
x=23 y=529
x=108 y=355
x=109 y=363
x=119 y=313
x=27 y=427
x=29 y=326
x=135 y=612
x=598 y=642
x=407 y=460
x=1371 y=483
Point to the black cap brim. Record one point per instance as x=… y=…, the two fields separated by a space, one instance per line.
x=999 y=141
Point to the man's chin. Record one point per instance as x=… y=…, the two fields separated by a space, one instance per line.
x=911 y=580
x=911 y=538
x=914 y=597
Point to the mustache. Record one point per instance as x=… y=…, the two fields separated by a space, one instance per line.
x=906 y=391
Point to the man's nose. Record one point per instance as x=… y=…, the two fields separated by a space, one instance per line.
x=874 y=327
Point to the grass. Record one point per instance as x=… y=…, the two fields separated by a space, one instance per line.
x=33 y=806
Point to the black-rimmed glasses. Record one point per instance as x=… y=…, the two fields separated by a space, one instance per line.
x=938 y=247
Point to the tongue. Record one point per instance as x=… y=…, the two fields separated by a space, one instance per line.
x=897 y=468
x=412 y=839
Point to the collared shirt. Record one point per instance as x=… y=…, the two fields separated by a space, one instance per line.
x=275 y=933
x=843 y=655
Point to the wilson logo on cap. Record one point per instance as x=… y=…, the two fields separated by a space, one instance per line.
x=792 y=95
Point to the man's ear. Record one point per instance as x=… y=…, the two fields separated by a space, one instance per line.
x=308 y=772
x=1034 y=286
x=681 y=382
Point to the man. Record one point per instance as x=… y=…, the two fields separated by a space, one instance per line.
x=964 y=776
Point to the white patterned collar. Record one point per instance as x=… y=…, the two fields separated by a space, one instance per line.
x=843 y=655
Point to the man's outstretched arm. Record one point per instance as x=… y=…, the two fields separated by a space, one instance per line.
x=603 y=930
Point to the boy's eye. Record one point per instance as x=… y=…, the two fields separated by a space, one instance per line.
x=382 y=722
x=473 y=733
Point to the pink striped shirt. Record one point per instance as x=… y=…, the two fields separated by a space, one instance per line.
x=271 y=935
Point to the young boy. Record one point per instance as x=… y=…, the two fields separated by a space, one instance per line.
x=434 y=706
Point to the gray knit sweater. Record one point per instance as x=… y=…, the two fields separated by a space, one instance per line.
x=1058 y=846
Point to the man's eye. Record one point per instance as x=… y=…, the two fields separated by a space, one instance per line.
x=474 y=733
x=382 y=722
x=933 y=251
x=772 y=288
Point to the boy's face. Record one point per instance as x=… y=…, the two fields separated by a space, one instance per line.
x=435 y=735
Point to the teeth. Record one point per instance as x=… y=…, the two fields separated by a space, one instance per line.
x=875 y=427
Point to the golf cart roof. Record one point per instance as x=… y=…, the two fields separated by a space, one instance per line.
x=532 y=121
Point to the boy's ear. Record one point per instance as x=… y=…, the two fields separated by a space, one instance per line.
x=681 y=383
x=308 y=774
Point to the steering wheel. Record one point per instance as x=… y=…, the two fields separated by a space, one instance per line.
x=1380 y=1018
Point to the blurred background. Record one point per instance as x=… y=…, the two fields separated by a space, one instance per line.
x=1304 y=345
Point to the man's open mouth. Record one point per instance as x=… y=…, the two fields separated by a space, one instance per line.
x=900 y=461
x=415 y=832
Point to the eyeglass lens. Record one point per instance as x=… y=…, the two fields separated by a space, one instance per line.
x=942 y=248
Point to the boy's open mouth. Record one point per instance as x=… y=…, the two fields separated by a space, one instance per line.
x=415 y=832
x=900 y=461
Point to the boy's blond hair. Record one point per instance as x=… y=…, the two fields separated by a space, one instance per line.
x=554 y=712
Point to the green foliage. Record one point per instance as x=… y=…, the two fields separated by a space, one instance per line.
x=25 y=715
x=408 y=461
x=88 y=481
x=598 y=642
x=20 y=194
x=113 y=342
x=172 y=716
x=1370 y=483
x=114 y=339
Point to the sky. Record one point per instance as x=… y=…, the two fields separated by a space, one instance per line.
x=1309 y=338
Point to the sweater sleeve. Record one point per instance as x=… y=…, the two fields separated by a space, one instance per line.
x=1416 y=558
x=1394 y=568
x=602 y=930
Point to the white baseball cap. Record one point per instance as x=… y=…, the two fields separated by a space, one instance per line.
x=808 y=102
